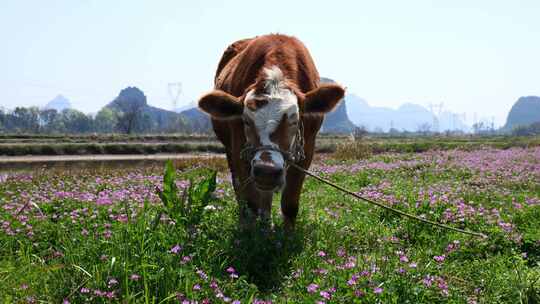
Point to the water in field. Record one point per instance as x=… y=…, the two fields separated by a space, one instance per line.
x=94 y=162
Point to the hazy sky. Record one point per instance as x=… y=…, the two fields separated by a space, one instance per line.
x=474 y=56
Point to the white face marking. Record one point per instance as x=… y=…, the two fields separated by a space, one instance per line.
x=281 y=100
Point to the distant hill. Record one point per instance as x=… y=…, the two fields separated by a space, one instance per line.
x=59 y=103
x=337 y=121
x=524 y=112
x=198 y=121
x=408 y=116
x=132 y=101
x=183 y=108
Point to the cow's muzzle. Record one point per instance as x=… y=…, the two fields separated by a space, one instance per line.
x=268 y=170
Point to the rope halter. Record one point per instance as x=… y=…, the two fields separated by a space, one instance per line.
x=294 y=155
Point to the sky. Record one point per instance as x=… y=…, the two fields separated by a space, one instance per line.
x=472 y=56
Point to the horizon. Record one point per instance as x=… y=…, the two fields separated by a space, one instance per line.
x=475 y=59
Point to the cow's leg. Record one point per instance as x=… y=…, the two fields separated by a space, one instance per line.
x=295 y=179
x=290 y=197
x=265 y=207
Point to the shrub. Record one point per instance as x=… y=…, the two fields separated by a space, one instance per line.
x=352 y=150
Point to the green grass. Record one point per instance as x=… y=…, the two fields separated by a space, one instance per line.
x=350 y=251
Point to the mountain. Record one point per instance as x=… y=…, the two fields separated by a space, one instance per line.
x=408 y=116
x=183 y=108
x=59 y=103
x=337 y=121
x=138 y=116
x=198 y=121
x=524 y=112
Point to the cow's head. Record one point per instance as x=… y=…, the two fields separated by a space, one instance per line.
x=271 y=111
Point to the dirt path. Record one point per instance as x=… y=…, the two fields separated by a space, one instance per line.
x=104 y=157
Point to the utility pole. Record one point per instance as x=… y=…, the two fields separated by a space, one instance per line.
x=174 y=89
x=436 y=110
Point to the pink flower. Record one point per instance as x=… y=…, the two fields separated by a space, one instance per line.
x=312 y=288
x=185 y=259
x=112 y=282
x=321 y=253
x=134 y=277
x=439 y=258
x=325 y=294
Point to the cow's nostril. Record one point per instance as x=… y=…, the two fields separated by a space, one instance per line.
x=267 y=170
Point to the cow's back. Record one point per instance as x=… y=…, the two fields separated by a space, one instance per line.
x=243 y=61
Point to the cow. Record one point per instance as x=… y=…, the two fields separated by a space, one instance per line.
x=266 y=108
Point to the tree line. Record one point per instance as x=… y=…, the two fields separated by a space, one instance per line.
x=107 y=120
x=128 y=113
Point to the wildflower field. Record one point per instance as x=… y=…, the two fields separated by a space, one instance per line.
x=140 y=235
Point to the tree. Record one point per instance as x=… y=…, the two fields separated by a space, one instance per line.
x=424 y=128
x=359 y=132
x=106 y=120
x=76 y=121
x=26 y=119
x=47 y=119
x=129 y=104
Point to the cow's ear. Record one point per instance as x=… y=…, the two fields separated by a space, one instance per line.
x=323 y=99
x=221 y=105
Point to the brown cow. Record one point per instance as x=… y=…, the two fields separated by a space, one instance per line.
x=268 y=98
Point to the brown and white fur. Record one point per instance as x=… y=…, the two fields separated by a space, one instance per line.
x=264 y=88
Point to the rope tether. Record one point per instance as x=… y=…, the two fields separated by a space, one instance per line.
x=384 y=206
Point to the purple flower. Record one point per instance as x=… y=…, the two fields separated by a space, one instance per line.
x=325 y=294
x=134 y=277
x=439 y=258
x=112 y=282
x=176 y=249
x=196 y=287
x=321 y=253
x=185 y=259
x=202 y=275
x=312 y=288
x=377 y=290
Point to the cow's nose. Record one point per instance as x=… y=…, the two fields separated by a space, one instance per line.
x=267 y=170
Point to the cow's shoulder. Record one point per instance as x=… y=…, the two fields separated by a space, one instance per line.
x=231 y=51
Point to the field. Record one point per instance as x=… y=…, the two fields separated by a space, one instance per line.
x=32 y=144
x=106 y=235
